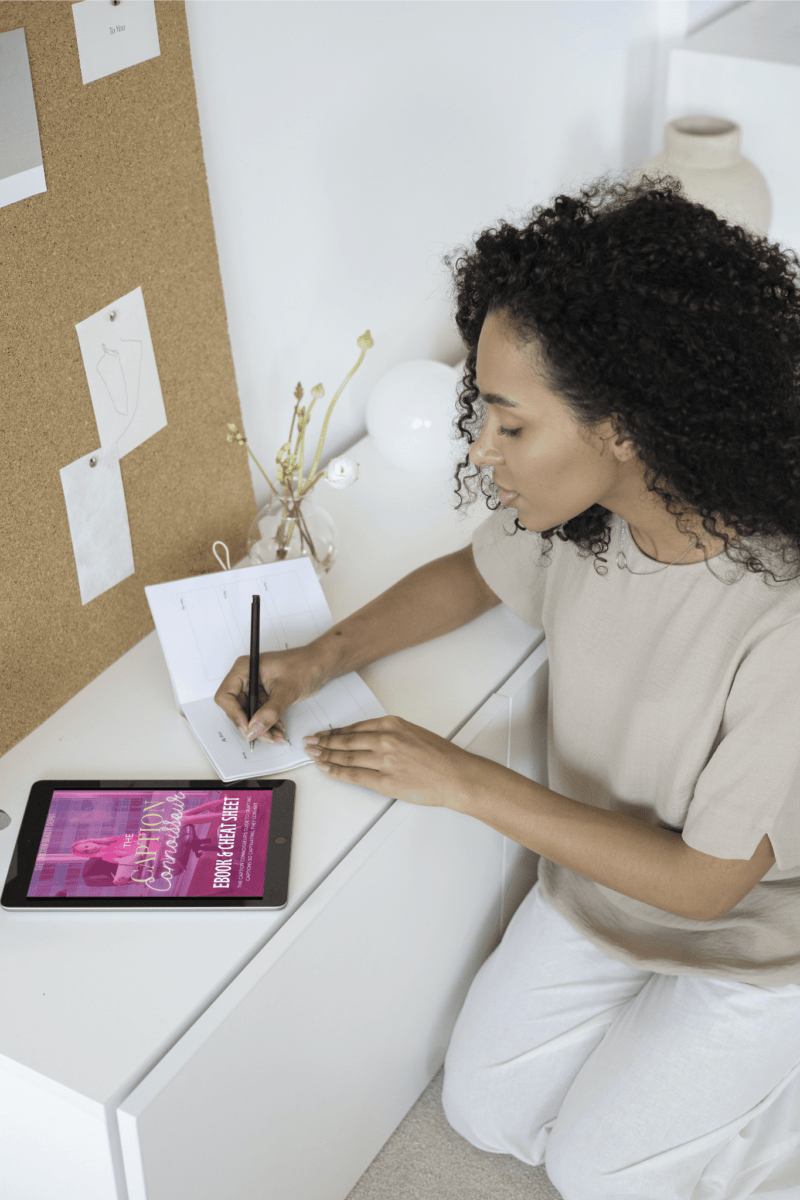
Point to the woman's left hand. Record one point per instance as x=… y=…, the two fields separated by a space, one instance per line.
x=398 y=759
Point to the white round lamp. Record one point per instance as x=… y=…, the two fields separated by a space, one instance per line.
x=410 y=415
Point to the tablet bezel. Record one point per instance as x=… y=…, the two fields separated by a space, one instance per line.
x=276 y=879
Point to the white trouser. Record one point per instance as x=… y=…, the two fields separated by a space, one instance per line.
x=625 y=1083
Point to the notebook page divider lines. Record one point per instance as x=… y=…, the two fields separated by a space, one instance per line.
x=206 y=615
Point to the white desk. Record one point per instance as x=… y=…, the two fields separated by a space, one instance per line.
x=255 y=1055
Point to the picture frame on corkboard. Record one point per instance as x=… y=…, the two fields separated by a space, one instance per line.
x=126 y=207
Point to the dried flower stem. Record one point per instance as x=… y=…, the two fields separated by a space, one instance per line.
x=365 y=342
x=285 y=538
x=290 y=463
x=243 y=441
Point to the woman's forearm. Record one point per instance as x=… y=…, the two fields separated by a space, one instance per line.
x=433 y=600
x=624 y=853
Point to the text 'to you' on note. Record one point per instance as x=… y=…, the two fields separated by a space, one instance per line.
x=113 y=37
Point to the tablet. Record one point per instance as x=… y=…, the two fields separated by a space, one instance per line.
x=153 y=845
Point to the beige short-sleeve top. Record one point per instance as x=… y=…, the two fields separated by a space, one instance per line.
x=674 y=697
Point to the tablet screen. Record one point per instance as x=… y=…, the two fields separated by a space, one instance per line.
x=153 y=844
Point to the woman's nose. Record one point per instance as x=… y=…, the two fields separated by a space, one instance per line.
x=482 y=452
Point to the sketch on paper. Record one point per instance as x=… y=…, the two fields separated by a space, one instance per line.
x=121 y=372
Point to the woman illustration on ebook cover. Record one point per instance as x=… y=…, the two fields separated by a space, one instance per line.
x=120 y=850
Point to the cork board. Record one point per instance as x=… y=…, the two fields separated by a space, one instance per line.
x=126 y=206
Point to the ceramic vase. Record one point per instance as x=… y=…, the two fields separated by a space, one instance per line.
x=703 y=152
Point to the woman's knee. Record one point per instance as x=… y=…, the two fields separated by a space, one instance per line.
x=568 y=1170
x=464 y=1098
x=586 y=1160
x=493 y=1109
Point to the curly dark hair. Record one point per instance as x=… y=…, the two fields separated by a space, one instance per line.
x=648 y=310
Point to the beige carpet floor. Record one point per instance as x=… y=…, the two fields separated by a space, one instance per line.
x=425 y=1159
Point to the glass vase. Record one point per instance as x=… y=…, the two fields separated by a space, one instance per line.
x=285 y=528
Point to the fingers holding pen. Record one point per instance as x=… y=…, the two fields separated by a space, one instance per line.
x=232 y=697
x=285 y=677
x=257 y=731
x=267 y=724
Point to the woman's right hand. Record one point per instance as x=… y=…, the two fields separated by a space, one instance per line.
x=285 y=676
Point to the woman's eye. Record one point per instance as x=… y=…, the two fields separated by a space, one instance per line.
x=508 y=432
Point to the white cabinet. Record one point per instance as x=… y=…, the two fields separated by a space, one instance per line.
x=268 y=1055
x=289 y=1085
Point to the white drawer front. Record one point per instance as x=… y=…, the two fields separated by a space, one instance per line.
x=53 y=1143
x=293 y=1094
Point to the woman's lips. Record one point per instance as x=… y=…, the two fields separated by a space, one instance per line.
x=506 y=497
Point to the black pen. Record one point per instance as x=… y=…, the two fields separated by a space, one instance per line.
x=252 y=681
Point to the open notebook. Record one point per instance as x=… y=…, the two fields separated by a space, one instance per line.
x=204 y=624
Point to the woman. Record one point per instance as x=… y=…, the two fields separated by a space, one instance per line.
x=123 y=850
x=111 y=859
x=631 y=386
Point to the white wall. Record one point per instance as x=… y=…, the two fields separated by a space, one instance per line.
x=349 y=145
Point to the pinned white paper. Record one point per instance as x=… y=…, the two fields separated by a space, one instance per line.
x=112 y=37
x=21 y=170
x=98 y=521
x=121 y=372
